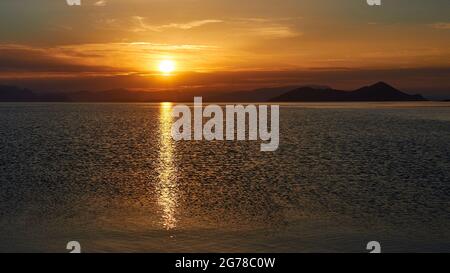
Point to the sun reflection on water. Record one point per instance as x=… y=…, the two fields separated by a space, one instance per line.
x=167 y=186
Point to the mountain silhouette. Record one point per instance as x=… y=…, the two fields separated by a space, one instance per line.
x=15 y=94
x=257 y=95
x=380 y=91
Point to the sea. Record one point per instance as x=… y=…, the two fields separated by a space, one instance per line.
x=110 y=177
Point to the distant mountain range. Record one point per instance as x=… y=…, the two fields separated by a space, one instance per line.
x=262 y=94
x=16 y=94
x=378 y=92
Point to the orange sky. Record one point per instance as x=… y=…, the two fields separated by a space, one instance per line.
x=225 y=44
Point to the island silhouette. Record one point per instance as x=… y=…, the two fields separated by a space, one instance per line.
x=380 y=91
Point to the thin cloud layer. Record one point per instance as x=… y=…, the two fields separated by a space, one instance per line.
x=441 y=26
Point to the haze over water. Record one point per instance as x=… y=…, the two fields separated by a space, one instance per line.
x=111 y=177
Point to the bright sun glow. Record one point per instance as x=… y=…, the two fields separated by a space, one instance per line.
x=167 y=66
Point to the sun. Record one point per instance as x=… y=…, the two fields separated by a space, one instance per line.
x=166 y=67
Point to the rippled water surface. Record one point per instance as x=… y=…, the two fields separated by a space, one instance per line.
x=110 y=177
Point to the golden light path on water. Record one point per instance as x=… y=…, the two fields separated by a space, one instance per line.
x=167 y=186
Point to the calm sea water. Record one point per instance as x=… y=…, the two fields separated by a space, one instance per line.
x=110 y=177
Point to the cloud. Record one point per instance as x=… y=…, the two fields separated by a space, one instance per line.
x=441 y=26
x=192 y=24
x=21 y=58
x=143 y=26
x=270 y=28
x=100 y=3
x=85 y=58
x=275 y=32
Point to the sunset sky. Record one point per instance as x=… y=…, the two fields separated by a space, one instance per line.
x=217 y=44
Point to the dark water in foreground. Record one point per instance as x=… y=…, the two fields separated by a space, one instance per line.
x=110 y=177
